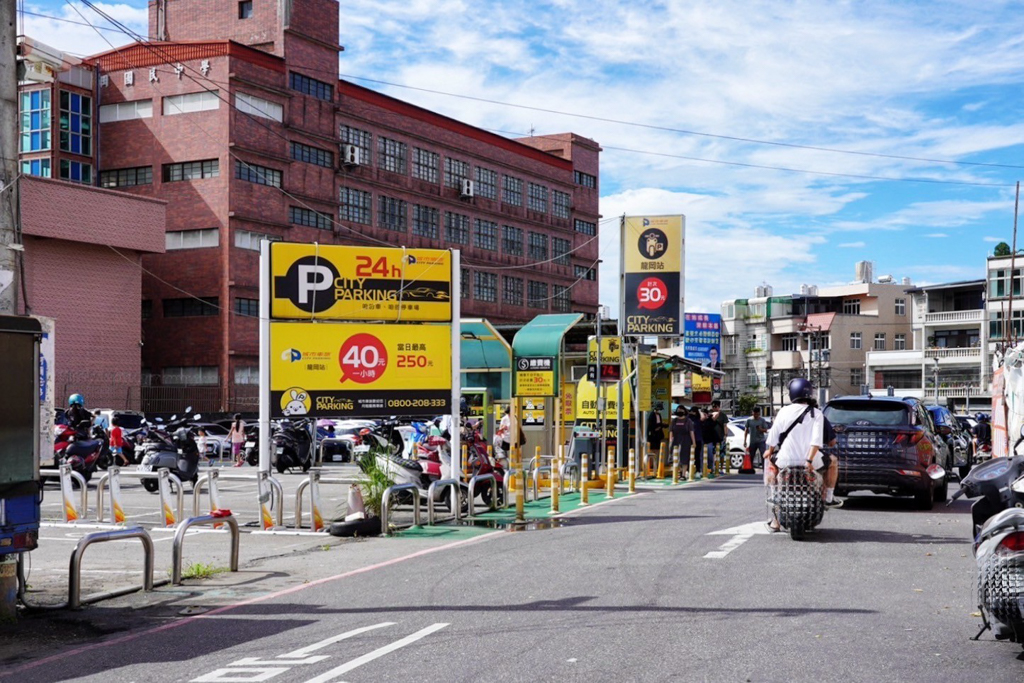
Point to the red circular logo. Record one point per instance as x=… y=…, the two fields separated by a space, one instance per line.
x=651 y=294
x=362 y=358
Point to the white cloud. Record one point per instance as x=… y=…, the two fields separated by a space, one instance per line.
x=852 y=245
x=993 y=239
x=936 y=235
x=66 y=33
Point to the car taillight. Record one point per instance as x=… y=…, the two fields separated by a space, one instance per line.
x=1012 y=544
x=908 y=438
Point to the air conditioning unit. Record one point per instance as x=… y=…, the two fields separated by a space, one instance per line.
x=349 y=155
x=467 y=189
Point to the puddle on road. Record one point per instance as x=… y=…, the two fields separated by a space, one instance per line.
x=510 y=525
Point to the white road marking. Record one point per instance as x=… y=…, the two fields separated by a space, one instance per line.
x=740 y=535
x=256 y=661
x=243 y=674
x=379 y=652
x=304 y=652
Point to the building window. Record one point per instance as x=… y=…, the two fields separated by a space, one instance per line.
x=312 y=155
x=247 y=374
x=585 y=227
x=75 y=123
x=192 y=239
x=851 y=306
x=392 y=155
x=245 y=239
x=486 y=183
x=127 y=177
x=261 y=175
x=76 y=171
x=585 y=179
x=999 y=283
x=35 y=121
x=485 y=286
x=560 y=250
x=901 y=306
x=512 y=191
x=312 y=219
x=464 y=284
x=247 y=307
x=537 y=198
x=391 y=213
x=360 y=139
x=191 y=307
x=856 y=378
x=312 y=87
x=245 y=9
x=899 y=342
x=191 y=103
x=355 y=206
x=879 y=341
x=485 y=236
x=512 y=290
x=205 y=375
x=538 y=246
x=855 y=340
x=257 y=106
x=147 y=309
x=790 y=342
x=126 y=111
x=456 y=228
x=560 y=299
x=426 y=221
x=537 y=294
x=584 y=273
x=512 y=240
x=561 y=204
x=36 y=167
x=191 y=170
x=425 y=165
x=455 y=172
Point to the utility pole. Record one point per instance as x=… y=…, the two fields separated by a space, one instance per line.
x=8 y=157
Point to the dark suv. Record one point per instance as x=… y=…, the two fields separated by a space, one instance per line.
x=885 y=445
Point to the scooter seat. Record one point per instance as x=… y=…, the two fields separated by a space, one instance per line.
x=83 y=448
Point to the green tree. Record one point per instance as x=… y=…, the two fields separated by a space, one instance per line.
x=745 y=404
x=1002 y=249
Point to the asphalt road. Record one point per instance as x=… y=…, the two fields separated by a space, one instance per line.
x=637 y=589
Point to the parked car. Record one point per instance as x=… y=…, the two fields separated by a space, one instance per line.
x=887 y=445
x=948 y=428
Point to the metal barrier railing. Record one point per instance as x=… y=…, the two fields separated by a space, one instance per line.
x=536 y=480
x=75 y=598
x=472 y=492
x=306 y=483
x=329 y=440
x=533 y=460
x=101 y=485
x=275 y=486
x=385 y=510
x=570 y=467
x=79 y=479
x=179 y=539
x=455 y=500
x=510 y=474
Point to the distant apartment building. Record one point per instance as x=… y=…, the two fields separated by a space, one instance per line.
x=234 y=115
x=823 y=334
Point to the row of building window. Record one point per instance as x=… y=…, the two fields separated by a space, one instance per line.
x=899 y=341
x=483 y=286
x=210 y=237
x=74 y=122
x=852 y=306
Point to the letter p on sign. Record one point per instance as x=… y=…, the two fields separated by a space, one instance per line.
x=313 y=279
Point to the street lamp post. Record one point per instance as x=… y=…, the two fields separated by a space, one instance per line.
x=935 y=377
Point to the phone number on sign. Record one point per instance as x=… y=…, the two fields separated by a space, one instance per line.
x=417 y=403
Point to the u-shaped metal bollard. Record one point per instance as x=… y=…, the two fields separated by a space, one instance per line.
x=455 y=499
x=385 y=509
x=179 y=539
x=75 y=577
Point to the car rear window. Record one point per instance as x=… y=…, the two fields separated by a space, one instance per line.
x=129 y=420
x=879 y=413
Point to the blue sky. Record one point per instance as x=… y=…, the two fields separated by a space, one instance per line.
x=938 y=81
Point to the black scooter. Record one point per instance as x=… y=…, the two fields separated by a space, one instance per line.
x=292 y=446
x=178 y=453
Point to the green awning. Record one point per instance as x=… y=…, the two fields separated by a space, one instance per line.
x=542 y=338
x=483 y=349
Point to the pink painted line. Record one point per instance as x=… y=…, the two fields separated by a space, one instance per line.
x=243 y=603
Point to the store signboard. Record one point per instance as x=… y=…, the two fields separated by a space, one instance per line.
x=652 y=288
x=702 y=339
x=535 y=376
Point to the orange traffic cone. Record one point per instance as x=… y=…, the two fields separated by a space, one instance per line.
x=748 y=463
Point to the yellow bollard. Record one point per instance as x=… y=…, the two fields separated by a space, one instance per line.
x=661 y=461
x=632 y=470
x=556 y=481
x=490 y=454
x=727 y=457
x=517 y=465
x=693 y=463
x=584 y=478
x=675 y=465
x=610 y=476
x=704 y=464
x=465 y=462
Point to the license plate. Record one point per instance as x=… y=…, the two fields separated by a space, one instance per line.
x=250 y=444
x=144 y=467
x=336 y=458
x=279 y=450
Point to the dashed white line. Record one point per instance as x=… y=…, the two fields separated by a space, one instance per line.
x=304 y=652
x=379 y=652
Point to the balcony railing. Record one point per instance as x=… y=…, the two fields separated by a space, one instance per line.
x=972 y=316
x=964 y=353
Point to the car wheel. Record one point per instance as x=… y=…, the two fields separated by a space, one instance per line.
x=736 y=459
x=924 y=499
x=150 y=485
x=941 y=494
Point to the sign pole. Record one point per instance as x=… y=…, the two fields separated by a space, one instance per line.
x=456 y=429
x=264 y=419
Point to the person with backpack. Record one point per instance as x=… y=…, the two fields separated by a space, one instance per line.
x=682 y=435
x=655 y=435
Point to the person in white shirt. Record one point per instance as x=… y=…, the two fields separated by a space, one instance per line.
x=796 y=438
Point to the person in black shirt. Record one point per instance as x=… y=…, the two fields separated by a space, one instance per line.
x=682 y=436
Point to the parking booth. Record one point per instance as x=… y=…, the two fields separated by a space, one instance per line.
x=486 y=371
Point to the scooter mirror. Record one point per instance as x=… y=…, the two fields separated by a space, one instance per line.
x=159 y=420
x=188 y=410
x=197 y=416
x=174 y=417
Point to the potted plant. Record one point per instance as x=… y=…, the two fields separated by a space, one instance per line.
x=373 y=481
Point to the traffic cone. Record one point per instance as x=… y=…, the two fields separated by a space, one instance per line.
x=748 y=463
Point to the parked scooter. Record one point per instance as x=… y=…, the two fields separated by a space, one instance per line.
x=998 y=523
x=176 y=451
x=292 y=446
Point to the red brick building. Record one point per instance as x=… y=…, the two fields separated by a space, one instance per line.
x=235 y=116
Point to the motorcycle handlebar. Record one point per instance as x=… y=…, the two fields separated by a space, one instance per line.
x=956 y=495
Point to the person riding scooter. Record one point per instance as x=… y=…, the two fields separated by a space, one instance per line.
x=982 y=434
x=77 y=416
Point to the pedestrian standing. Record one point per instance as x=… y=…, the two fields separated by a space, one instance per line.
x=237 y=438
x=117 y=442
x=721 y=421
x=682 y=436
x=201 y=444
x=655 y=434
x=754 y=437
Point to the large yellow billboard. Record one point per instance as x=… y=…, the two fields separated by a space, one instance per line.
x=652 y=275
x=352 y=369
x=310 y=281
